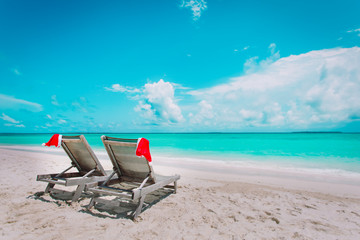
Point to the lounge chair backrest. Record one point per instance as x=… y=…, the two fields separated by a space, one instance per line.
x=128 y=166
x=81 y=154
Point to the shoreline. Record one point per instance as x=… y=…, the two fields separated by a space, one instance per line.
x=208 y=164
x=340 y=182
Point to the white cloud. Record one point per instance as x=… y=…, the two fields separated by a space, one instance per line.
x=123 y=89
x=14 y=125
x=159 y=104
x=8 y=119
x=16 y=71
x=272 y=46
x=196 y=7
x=156 y=101
x=242 y=49
x=251 y=116
x=146 y=111
x=62 y=121
x=48 y=116
x=316 y=88
x=355 y=31
x=254 y=65
x=203 y=115
x=79 y=106
x=13 y=122
x=54 y=100
x=179 y=86
x=274 y=55
x=9 y=102
x=251 y=64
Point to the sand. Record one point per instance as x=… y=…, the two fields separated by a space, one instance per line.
x=214 y=201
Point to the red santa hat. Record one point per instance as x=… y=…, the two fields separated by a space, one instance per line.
x=55 y=140
x=143 y=149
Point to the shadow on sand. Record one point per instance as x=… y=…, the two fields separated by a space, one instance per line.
x=119 y=208
x=115 y=208
x=58 y=197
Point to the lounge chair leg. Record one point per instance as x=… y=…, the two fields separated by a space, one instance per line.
x=48 y=187
x=175 y=187
x=139 y=207
x=92 y=202
x=78 y=192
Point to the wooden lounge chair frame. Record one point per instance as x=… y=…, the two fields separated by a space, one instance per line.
x=135 y=175
x=83 y=159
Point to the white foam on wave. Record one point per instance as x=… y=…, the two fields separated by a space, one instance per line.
x=264 y=166
x=240 y=163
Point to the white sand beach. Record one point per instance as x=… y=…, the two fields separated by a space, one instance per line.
x=214 y=201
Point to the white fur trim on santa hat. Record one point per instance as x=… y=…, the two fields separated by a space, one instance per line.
x=137 y=144
x=59 y=141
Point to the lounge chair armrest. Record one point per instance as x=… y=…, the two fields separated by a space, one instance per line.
x=43 y=176
x=136 y=193
x=139 y=192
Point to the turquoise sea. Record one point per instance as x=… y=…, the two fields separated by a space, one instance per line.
x=315 y=151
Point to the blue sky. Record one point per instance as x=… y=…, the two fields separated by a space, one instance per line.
x=179 y=66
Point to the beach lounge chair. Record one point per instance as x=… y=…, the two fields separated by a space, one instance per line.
x=83 y=159
x=136 y=176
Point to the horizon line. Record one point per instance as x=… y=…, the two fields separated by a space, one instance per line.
x=211 y=132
